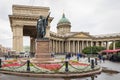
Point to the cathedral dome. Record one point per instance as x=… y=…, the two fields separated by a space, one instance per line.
x=64 y=25
x=63 y=20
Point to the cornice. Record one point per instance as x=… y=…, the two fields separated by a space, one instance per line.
x=23 y=17
x=29 y=7
x=26 y=17
x=55 y=35
x=107 y=37
x=111 y=38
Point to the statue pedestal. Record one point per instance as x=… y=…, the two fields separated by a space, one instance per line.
x=42 y=51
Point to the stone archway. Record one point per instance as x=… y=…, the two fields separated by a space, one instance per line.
x=23 y=23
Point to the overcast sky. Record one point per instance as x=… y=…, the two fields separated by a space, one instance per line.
x=93 y=16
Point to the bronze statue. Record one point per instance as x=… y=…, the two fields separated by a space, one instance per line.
x=42 y=23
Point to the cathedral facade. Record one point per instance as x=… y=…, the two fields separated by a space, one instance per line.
x=66 y=41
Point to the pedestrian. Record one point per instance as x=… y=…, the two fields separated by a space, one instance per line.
x=103 y=58
x=78 y=56
x=100 y=57
x=52 y=54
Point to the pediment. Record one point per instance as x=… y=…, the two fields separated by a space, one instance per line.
x=81 y=35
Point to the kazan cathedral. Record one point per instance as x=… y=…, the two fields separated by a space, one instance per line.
x=66 y=41
x=23 y=21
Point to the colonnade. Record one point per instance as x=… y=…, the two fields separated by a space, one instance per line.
x=75 y=46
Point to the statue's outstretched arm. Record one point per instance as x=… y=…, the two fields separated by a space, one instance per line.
x=47 y=19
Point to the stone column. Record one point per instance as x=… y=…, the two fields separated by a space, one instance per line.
x=91 y=43
x=78 y=46
x=82 y=45
x=34 y=45
x=73 y=46
x=113 y=45
x=53 y=45
x=97 y=43
x=62 y=46
x=86 y=43
x=18 y=38
x=69 y=46
x=56 y=46
x=107 y=46
x=31 y=44
x=59 y=46
x=50 y=46
x=66 y=46
x=102 y=44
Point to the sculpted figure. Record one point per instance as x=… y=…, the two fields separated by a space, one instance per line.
x=42 y=23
